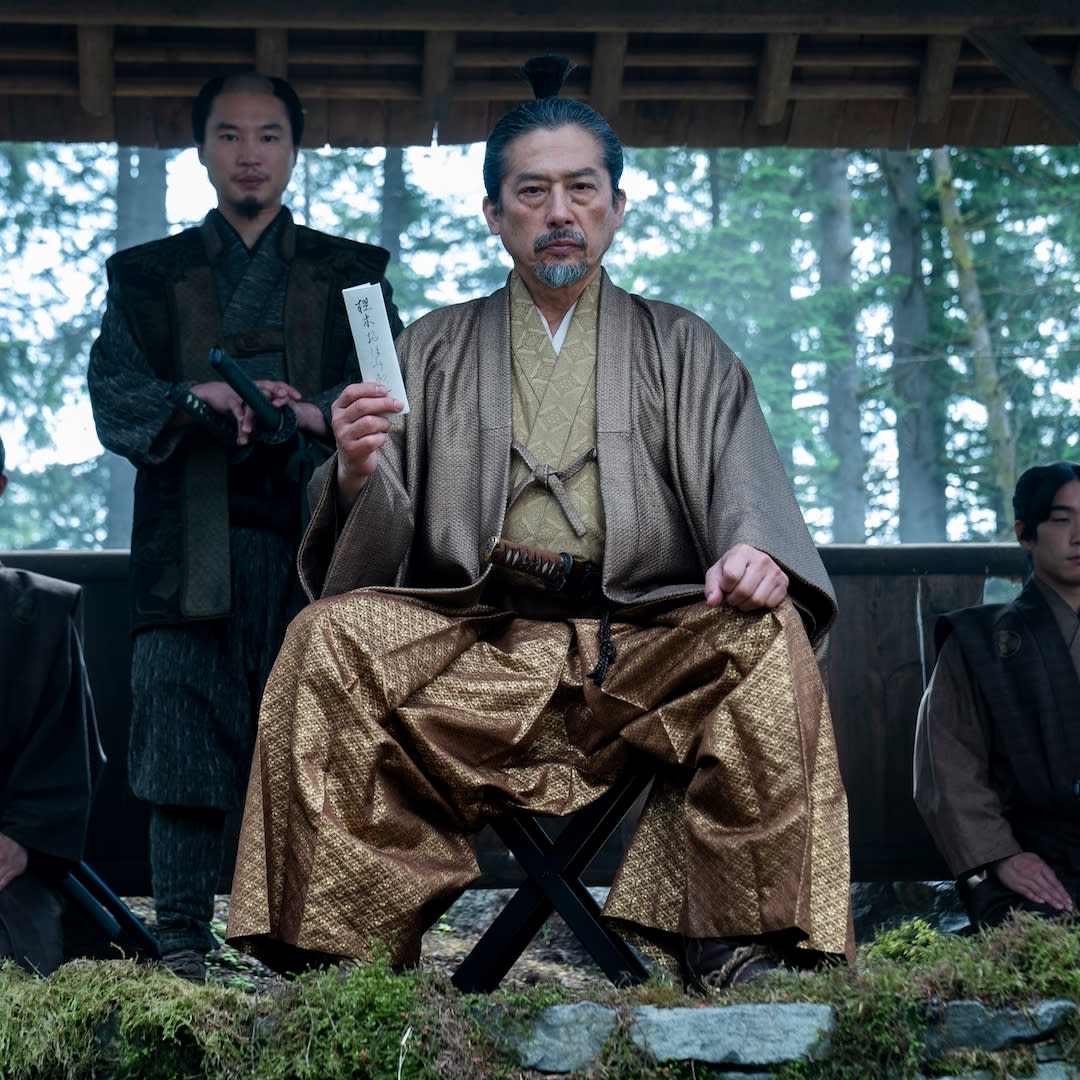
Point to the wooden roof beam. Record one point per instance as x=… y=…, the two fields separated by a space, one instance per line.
x=606 y=79
x=96 y=72
x=774 y=77
x=272 y=53
x=937 y=77
x=1012 y=53
x=437 y=73
x=634 y=16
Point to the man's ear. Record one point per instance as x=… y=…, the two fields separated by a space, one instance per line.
x=3 y=483
x=1018 y=528
x=491 y=216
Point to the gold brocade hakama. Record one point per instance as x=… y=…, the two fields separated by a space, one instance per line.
x=392 y=730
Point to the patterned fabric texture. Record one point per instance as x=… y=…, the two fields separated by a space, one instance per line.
x=555 y=498
x=393 y=729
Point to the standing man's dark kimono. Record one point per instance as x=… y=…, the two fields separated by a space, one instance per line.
x=216 y=526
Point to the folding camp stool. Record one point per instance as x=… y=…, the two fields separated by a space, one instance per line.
x=554 y=864
x=108 y=914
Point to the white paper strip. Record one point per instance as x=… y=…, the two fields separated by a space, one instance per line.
x=374 y=342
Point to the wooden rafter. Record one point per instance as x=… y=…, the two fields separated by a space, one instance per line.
x=437 y=82
x=608 y=65
x=1010 y=50
x=95 y=69
x=272 y=52
x=774 y=77
x=937 y=77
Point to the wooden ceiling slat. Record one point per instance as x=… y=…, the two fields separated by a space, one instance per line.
x=316 y=123
x=1035 y=125
x=407 y=125
x=816 y=123
x=135 y=122
x=347 y=125
x=463 y=121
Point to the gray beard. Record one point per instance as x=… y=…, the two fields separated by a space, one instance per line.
x=559 y=275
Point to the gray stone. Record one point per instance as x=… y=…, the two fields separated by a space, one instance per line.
x=1049 y=1051
x=1055 y=1070
x=970 y=1023
x=566 y=1038
x=732 y=1035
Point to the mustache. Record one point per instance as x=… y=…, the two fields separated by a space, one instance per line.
x=559 y=234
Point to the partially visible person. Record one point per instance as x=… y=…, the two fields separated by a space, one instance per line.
x=613 y=447
x=49 y=759
x=218 y=519
x=997 y=745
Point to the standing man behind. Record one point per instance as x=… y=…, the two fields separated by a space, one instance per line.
x=217 y=520
x=50 y=758
x=563 y=414
x=997 y=747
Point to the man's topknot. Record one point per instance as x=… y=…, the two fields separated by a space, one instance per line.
x=546 y=74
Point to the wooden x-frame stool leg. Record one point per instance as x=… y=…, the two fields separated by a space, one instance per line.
x=554 y=866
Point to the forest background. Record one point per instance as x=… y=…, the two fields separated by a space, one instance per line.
x=910 y=318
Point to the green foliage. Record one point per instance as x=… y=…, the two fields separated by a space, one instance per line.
x=58 y=507
x=732 y=234
x=116 y=1019
x=127 y=1022
x=354 y=1023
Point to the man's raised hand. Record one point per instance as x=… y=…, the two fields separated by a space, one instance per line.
x=361 y=420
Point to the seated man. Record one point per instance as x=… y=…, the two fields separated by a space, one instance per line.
x=997 y=763
x=437 y=685
x=49 y=758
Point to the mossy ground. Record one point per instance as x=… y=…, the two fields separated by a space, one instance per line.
x=117 y=1019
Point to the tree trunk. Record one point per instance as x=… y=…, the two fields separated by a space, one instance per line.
x=829 y=176
x=920 y=426
x=140 y=217
x=988 y=386
x=712 y=158
x=392 y=221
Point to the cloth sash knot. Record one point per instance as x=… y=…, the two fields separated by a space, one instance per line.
x=553 y=480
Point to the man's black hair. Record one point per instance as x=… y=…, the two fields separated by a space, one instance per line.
x=546 y=75
x=1035 y=491
x=249 y=81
